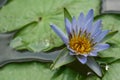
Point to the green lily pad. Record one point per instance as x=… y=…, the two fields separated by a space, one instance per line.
x=34 y=17
x=113 y=71
x=36 y=71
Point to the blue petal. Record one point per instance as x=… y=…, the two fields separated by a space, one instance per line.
x=60 y=33
x=93 y=53
x=97 y=34
x=85 y=54
x=88 y=25
x=89 y=15
x=82 y=59
x=74 y=24
x=88 y=20
x=96 y=27
x=100 y=47
x=71 y=53
x=68 y=26
x=80 y=21
x=101 y=36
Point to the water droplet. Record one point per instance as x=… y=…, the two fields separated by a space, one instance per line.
x=106 y=67
x=89 y=73
x=47 y=43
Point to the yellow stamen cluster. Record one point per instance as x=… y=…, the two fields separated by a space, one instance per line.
x=80 y=44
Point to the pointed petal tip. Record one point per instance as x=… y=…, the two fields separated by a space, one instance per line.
x=82 y=59
x=101 y=47
x=67 y=22
x=91 y=11
x=74 y=20
x=74 y=17
x=81 y=15
x=99 y=22
x=101 y=36
x=60 y=33
x=107 y=46
x=52 y=25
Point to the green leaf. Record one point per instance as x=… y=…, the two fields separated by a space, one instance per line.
x=67 y=14
x=63 y=58
x=106 y=60
x=39 y=36
x=36 y=71
x=111 y=52
x=92 y=78
x=113 y=72
x=91 y=63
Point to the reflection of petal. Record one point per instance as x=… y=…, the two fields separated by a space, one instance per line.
x=60 y=33
x=100 y=47
x=82 y=59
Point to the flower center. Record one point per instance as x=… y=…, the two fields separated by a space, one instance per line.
x=80 y=44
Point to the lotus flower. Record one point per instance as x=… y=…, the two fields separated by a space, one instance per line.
x=83 y=38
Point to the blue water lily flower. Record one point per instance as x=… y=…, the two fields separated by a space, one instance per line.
x=83 y=38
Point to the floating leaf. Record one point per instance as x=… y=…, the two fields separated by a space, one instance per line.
x=106 y=60
x=39 y=36
x=113 y=72
x=92 y=78
x=36 y=71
